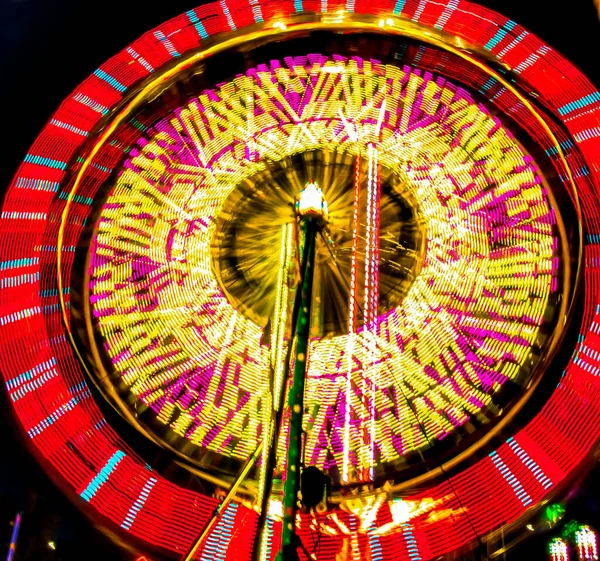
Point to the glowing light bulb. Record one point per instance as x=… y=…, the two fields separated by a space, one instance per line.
x=311 y=202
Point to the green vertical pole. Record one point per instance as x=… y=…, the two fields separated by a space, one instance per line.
x=296 y=395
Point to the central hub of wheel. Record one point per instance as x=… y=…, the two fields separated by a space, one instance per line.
x=311 y=204
x=245 y=247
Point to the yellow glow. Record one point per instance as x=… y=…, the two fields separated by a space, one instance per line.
x=194 y=321
x=321 y=21
x=280 y=316
x=366 y=509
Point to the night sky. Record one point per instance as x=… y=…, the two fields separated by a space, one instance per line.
x=47 y=48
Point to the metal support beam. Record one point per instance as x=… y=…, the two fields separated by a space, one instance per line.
x=199 y=542
x=296 y=395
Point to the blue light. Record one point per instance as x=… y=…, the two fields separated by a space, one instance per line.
x=52 y=418
x=76 y=198
x=500 y=34
x=513 y=43
x=14 y=263
x=110 y=80
x=197 y=24
x=102 y=476
x=27 y=278
x=399 y=6
x=579 y=103
x=411 y=542
x=47 y=162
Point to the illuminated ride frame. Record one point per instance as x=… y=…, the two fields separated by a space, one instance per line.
x=459 y=157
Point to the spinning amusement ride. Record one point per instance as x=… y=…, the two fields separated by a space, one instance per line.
x=335 y=261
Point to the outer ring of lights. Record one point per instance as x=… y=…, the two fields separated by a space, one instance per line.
x=305 y=23
x=546 y=450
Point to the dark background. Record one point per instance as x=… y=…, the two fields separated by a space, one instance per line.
x=47 y=48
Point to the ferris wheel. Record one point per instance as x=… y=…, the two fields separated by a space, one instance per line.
x=328 y=259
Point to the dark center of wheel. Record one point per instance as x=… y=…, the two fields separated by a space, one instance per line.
x=246 y=245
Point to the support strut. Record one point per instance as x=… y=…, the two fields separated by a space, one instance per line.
x=289 y=539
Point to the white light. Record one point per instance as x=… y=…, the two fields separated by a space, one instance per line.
x=275 y=509
x=401 y=511
x=311 y=201
x=332 y=69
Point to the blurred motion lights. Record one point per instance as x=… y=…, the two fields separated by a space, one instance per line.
x=441 y=155
x=466 y=327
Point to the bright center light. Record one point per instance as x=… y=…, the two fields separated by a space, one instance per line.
x=311 y=201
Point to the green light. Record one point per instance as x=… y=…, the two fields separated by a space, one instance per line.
x=554 y=513
x=570 y=529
